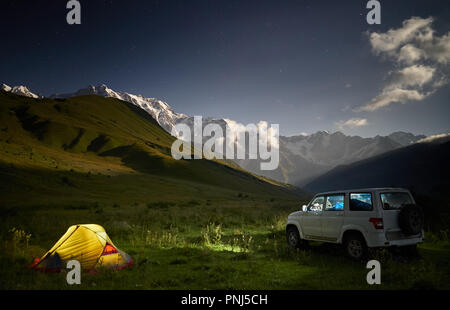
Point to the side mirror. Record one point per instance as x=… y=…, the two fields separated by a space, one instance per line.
x=305 y=208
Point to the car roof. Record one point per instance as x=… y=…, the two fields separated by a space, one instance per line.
x=371 y=189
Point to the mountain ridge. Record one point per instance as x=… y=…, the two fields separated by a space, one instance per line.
x=420 y=166
x=302 y=157
x=80 y=137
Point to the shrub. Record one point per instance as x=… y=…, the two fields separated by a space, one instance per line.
x=243 y=242
x=212 y=234
x=165 y=239
x=20 y=241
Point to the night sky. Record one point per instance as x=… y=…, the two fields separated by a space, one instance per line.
x=306 y=65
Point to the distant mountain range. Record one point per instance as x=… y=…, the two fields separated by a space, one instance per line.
x=302 y=157
x=422 y=167
x=305 y=157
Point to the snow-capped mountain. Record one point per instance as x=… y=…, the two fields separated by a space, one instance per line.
x=421 y=167
x=5 y=87
x=159 y=110
x=19 y=90
x=336 y=148
x=302 y=157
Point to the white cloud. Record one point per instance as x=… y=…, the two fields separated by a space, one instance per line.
x=410 y=54
x=416 y=75
x=392 y=95
x=415 y=27
x=421 y=58
x=352 y=123
x=438 y=49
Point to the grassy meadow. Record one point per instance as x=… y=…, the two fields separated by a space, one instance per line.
x=233 y=243
x=187 y=224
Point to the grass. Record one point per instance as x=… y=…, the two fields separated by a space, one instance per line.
x=187 y=224
x=174 y=249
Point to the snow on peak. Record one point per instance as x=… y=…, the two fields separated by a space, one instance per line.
x=5 y=87
x=159 y=110
x=434 y=138
x=19 y=90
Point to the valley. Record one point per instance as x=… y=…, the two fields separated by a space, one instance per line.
x=187 y=224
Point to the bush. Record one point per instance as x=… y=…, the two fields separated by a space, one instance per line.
x=212 y=234
x=242 y=242
x=20 y=242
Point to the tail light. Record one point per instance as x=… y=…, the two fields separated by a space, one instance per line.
x=377 y=222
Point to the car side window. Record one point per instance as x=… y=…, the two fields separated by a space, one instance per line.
x=317 y=204
x=361 y=202
x=335 y=202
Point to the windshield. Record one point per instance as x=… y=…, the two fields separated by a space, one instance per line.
x=395 y=201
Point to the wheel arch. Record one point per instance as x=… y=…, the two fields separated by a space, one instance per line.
x=350 y=231
x=297 y=226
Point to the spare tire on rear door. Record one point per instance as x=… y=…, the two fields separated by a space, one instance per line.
x=411 y=219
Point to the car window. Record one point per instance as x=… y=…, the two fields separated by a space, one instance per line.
x=335 y=202
x=395 y=201
x=317 y=204
x=361 y=202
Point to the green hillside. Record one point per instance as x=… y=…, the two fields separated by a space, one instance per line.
x=86 y=139
x=188 y=224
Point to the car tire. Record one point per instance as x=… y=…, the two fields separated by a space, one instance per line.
x=355 y=247
x=293 y=238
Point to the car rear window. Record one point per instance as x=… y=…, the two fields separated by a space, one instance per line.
x=361 y=202
x=395 y=200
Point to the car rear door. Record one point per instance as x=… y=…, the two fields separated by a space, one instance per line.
x=392 y=203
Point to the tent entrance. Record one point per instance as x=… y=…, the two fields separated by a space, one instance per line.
x=109 y=249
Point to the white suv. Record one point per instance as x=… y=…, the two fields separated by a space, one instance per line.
x=358 y=219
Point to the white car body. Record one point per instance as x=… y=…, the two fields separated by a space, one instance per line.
x=378 y=226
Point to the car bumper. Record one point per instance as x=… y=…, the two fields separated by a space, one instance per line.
x=380 y=240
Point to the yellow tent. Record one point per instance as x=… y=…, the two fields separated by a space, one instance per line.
x=90 y=245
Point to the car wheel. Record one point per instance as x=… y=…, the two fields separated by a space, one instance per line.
x=293 y=238
x=355 y=247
